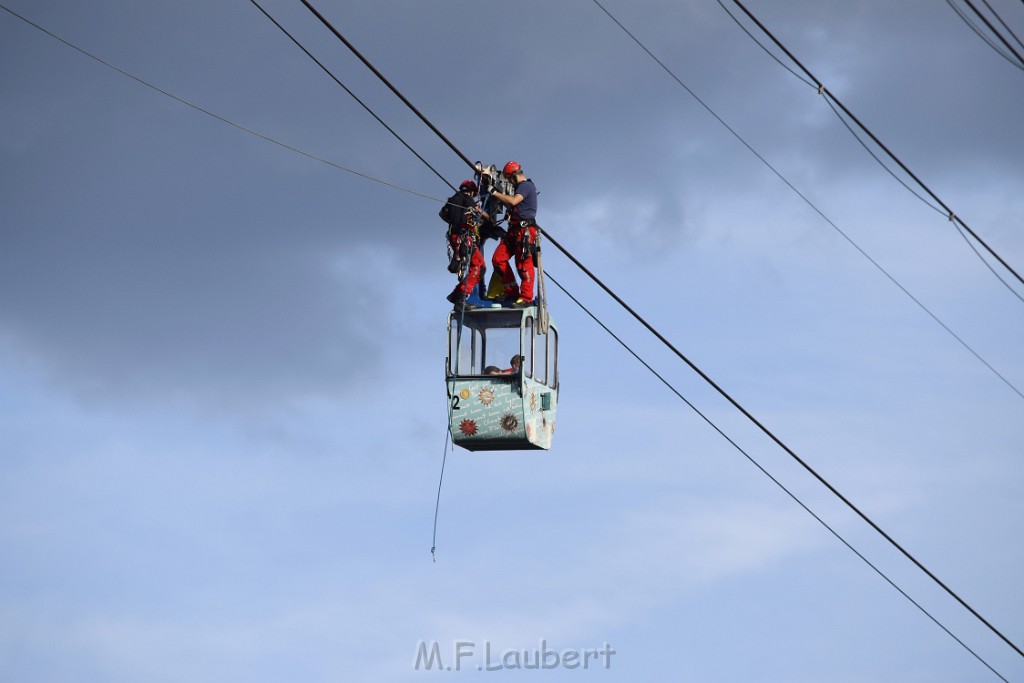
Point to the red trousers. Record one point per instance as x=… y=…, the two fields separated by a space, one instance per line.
x=476 y=264
x=512 y=246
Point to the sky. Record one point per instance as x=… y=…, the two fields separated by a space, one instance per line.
x=222 y=404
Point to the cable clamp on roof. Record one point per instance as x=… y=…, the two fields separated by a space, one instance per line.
x=951 y=216
x=821 y=89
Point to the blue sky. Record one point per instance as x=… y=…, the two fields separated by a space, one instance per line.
x=223 y=406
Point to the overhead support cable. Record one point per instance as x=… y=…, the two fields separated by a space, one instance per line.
x=950 y=214
x=1019 y=63
x=772 y=478
x=299 y=151
x=981 y=34
x=354 y=96
x=754 y=420
x=720 y=390
x=849 y=504
x=807 y=200
x=1003 y=23
x=901 y=181
x=386 y=82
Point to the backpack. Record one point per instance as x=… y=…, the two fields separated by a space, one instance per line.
x=446 y=212
x=454 y=210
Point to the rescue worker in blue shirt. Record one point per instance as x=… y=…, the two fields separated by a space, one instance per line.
x=521 y=239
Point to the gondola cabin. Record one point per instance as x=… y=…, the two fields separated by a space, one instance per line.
x=492 y=404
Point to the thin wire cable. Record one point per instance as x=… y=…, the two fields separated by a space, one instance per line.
x=448 y=383
x=437 y=504
x=784 y=447
x=887 y=169
x=354 y=96
x=747 y=413
x=280 y=144
x=768 y=52
x=386 y=82
x=960 y=231
x=825 y=91
x=996 y=33
x=267 y=138
x=811 y=204
x=211 y=114
x=1003 y=23
x=829 y=103
x=229 y=122
x=775 y=481
x=978 y=32
x=981 y=257
x=743 y=410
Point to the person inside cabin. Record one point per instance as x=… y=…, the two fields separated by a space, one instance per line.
x=493 y=370
x=520 y=241
x=463 y=217
x=517 y=365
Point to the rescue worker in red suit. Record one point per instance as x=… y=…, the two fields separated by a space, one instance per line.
x=461 y=214
x=521 y=238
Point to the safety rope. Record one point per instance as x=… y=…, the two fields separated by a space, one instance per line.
x=448 y=432
x=437 y=504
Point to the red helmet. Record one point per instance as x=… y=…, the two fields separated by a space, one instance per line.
x=467 y=185
x=511 y=168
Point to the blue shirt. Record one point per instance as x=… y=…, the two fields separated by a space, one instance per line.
x=526 y=210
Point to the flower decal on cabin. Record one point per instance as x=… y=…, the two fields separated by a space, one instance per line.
x=465 y=393
x=486 y=396
x=509 y=422
x=533 y=401
x=468 y=427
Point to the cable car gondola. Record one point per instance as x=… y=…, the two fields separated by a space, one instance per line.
x=493 y=406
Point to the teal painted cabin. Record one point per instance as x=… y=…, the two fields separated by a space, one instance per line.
x=491 y=405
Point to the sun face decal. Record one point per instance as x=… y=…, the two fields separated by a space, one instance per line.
x=509 y=422
x=486 y=396
x=468 y=427
x=465 y=393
